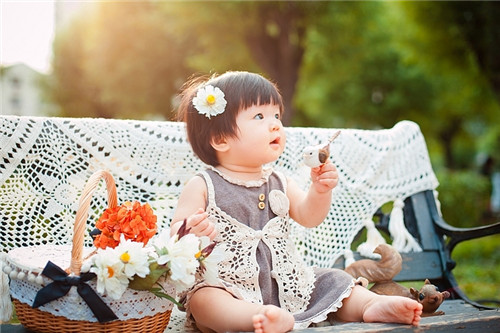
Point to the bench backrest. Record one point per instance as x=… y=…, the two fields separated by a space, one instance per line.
x=45 y=162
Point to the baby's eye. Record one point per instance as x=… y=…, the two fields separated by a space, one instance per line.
x=259 y=116
x=277 y=116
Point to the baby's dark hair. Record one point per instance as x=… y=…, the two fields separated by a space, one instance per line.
x=241 y=90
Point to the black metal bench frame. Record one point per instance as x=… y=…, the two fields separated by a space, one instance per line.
x=437 y=239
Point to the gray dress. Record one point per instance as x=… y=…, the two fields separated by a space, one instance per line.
x=262 y=264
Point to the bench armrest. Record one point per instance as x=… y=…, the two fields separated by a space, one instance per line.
x=456 y=235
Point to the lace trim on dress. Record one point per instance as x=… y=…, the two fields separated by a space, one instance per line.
x=240 y=267
x=266 y=172
x=323 y=315
x=243 y=235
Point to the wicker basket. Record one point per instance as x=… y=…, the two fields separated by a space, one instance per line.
x=39 y=320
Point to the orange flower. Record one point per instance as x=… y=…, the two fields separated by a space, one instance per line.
x=135 y=221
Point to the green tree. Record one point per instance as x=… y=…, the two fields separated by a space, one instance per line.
x=267 y=37
x=354 y=75
x=120 y=61
x=359 y=71
x=69 y=88
x=470 y=26
x=134 y=56
x=461 y=56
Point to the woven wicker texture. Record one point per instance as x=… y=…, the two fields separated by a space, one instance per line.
x=40 y=321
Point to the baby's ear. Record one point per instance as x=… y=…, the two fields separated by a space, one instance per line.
x=219 y=144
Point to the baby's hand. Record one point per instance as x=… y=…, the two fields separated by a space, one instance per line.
x=200 y=225
x=325 y=177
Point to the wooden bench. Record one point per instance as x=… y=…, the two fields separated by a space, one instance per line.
x=44 y=163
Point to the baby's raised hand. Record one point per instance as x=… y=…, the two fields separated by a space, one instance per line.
x=200 y=225
x=324 y=177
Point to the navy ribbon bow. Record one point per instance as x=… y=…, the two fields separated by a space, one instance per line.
x=63 y=283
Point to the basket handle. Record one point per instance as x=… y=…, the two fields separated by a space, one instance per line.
x=82 y=214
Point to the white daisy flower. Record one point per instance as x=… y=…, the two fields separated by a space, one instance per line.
x=161 y=239
x=134 y=257
x=181 y=258
x=209 y=101
x=111 y=278
x=210 y=264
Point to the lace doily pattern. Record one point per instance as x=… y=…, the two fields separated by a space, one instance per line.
x=45 y=162
x=295 y=280
x=375 y=167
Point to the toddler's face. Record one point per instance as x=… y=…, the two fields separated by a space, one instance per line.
x=261 y=136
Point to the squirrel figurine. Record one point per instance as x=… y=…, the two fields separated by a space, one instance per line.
x=383 y=271
x=315 y=156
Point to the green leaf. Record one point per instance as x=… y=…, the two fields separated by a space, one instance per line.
x=146 y=283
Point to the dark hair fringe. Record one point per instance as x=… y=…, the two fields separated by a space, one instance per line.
x=241 y=89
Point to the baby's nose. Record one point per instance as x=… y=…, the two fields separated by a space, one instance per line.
x=275 y=124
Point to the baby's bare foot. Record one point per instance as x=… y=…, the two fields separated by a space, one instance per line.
x=273 y=320
x=393 y=309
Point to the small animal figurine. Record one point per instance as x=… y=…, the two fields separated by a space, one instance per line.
x=382 y=272
x=315 y=156
x=385 y=269
x=429 y=295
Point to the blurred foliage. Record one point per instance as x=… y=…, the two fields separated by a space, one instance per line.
x=464 y=197
x=338 y=64
x=359 y=78
x=267 y=37
x=478 y=268
x=489 y=146
x=360 y=64
x=120 y=60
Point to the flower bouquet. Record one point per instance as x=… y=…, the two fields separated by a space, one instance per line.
x=130 y=255
x=127 y=282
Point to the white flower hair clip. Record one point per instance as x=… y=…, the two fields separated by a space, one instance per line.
x=209 y=101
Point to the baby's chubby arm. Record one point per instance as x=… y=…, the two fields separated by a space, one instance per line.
x=191 y=205
x=310 y=209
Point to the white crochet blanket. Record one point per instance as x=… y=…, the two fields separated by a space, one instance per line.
x=45 y=162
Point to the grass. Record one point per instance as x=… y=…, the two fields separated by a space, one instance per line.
x=478 y=268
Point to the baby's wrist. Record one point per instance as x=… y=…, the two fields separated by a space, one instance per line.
x=321 y=190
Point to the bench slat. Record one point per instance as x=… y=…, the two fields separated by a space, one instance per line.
x=417 y=266
x=458 y=316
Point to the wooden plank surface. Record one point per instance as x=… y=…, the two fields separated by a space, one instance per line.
x=459 y=316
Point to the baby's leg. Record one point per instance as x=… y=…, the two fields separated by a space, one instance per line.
x=364 y=305
x=214 y=309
